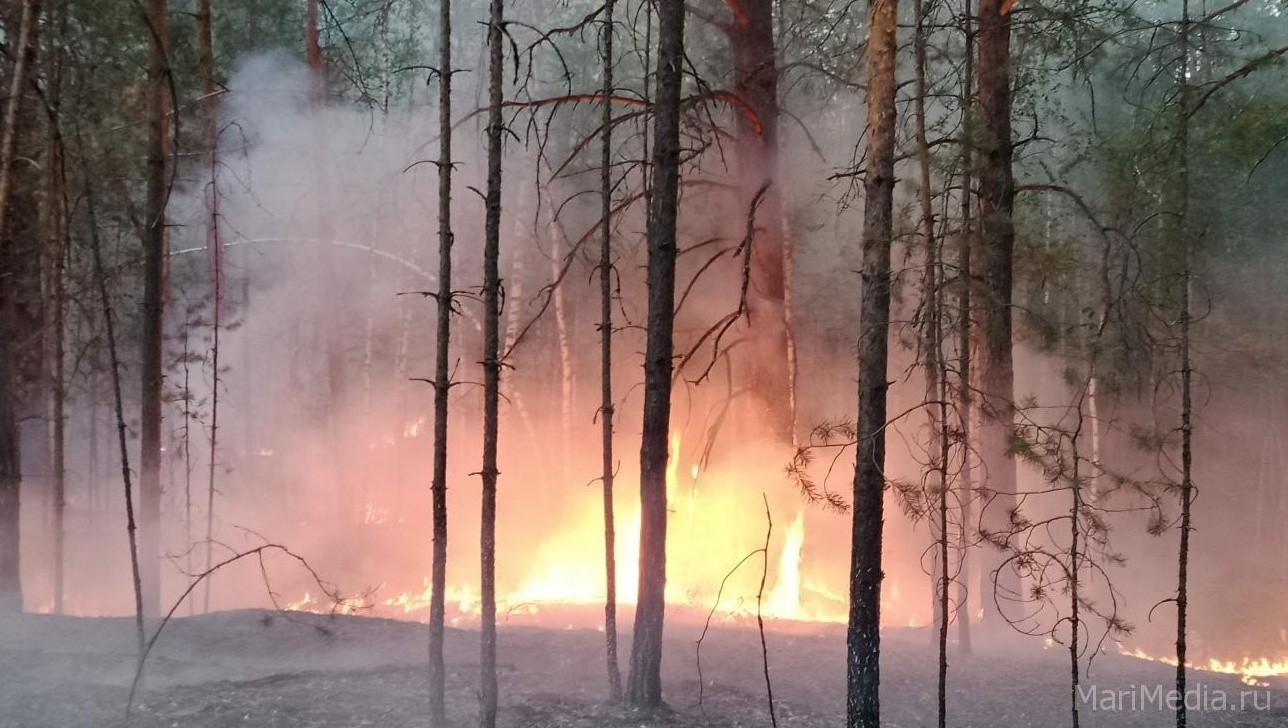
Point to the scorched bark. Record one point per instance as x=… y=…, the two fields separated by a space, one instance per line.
x=644 y=684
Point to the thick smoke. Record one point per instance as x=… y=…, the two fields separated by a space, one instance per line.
x=338 y=469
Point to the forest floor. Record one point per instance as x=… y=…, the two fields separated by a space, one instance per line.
x=272 y=670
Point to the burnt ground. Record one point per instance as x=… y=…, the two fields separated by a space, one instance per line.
x=269 y=670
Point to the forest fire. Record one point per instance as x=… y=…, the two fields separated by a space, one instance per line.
x=1251 y=670
x=789 y=320
x=721 y=559
x=309 y=603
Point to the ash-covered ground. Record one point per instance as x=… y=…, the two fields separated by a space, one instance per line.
x=273 y=670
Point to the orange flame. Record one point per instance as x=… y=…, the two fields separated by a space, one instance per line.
x=1251 y=670
x=716 y=529
x=785 y=599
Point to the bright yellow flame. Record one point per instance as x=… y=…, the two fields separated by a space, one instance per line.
x=463 y=600
x=673 y=469
x=309 y=604
x=413 y=428
x=716 y=524
x=785 y=600
x=302 y=604
x=712 y=529
x=1249 y=669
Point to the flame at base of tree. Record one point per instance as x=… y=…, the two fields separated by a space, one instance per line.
x=716 y=528
x=1251 y=670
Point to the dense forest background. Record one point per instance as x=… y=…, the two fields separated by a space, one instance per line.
x=220 y=278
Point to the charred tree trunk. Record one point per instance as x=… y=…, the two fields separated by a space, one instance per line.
x=996 y=248
x=863 y=639
x=751 y=40
x=10 y=460
x=442 y=374
x=154 y=281
x=606 y=407
x=491 y=364
x=644 y=682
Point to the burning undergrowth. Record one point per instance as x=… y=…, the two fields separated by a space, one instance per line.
x=338 y=468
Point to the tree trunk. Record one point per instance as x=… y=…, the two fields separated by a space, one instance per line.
x=567 y=372
x=10 y=460
x=966 y=485
x=993 y=291
x=514 y=327
x=1187 y=371
x=210 y=134
x=863 y=639
x=47 y=244
x=644 y=682
x=1075 y=583
x=332 y=323
x=936 y=397
x=118 y=406
x=186 y=430
x=606 y=407
x=491 y=365
x=154 y=281
x=751 y=40
x=442 y=373
x=54 y=249
x=58 y=402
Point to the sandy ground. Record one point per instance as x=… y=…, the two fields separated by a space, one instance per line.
x=267 y=669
